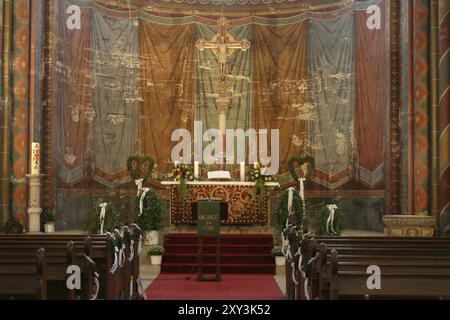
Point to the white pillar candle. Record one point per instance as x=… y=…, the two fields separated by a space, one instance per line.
x=242 y=171
x=35 y=158
x=196 y=169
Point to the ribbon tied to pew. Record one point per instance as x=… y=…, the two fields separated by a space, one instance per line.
x=330 y=221
x=115 y=264
x=138 y=229
x=102 y=215
x=91 y=264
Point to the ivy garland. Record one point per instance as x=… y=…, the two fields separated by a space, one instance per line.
x=112 y=219
x=282 y=210
x=140 y=167
x=152 y=211
x=301 y=161
x=320 y=224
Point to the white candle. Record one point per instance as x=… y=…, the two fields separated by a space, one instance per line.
x=196 y=169
x=242 y=171
x=35 y=158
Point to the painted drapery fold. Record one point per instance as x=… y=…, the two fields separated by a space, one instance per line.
x=370 y=99
x=74 y=108
x=280 y=86
x=331 y=58
x=167 y=82
x=114 y=97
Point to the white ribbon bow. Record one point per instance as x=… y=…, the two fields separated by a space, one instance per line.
x=116 y=260
x=302 y=188
x=330 y=220
x=290 y=199
x=141 y=201
x=102 y=215
x=139 y=185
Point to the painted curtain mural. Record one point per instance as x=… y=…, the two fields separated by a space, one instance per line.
x=74 y=107
x=127 y=79
x=238 y=82
x=167 y=86
x=280 y=85
x=115 y=72
x=331 y=68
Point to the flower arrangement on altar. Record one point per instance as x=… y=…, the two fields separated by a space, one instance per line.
x=181 y=173
x=257 y=175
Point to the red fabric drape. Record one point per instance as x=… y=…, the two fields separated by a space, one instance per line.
x=167 y=85
x=370 y=91
x=73 y=73
x=280 y=70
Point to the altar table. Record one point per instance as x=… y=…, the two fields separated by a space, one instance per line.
x=243 y=207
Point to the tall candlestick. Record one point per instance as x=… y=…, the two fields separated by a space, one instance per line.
x=196 y=169
x=35 y=158
x=242 y=171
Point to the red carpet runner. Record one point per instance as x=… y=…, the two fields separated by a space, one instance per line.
x=232 y=287
x=240 y=254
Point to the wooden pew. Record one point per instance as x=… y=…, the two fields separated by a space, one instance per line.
x=58 y=258
x=402 y=282
x=55 y=246
x=112 y=286
x=24 y=280
x=378 y=251
x=136 y=243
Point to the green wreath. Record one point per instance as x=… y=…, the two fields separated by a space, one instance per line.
x=282 y=210
x=301 y=161
x=112 y=219
x=320 y=223
x=140 y=167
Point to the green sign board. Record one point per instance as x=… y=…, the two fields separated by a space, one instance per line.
x=208 y=218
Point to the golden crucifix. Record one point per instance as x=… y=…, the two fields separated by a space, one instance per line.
x=223 y=44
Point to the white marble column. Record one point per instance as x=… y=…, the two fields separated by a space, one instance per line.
x=34 y=202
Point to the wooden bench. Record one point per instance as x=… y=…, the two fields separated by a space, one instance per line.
x=24 y=280
x=59 y=256
x=355 y=255
x=113 y=285
x=403 y=281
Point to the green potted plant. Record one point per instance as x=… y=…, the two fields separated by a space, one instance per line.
x=280 y=259
x=149 y=210
x=156 y=253
x=48 y=219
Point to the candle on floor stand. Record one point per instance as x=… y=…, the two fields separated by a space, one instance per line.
x=35 y=158
x=242 y=171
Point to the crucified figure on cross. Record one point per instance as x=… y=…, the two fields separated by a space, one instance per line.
x=223 y=45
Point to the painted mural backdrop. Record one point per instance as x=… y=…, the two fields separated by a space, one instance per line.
x=127 y=79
